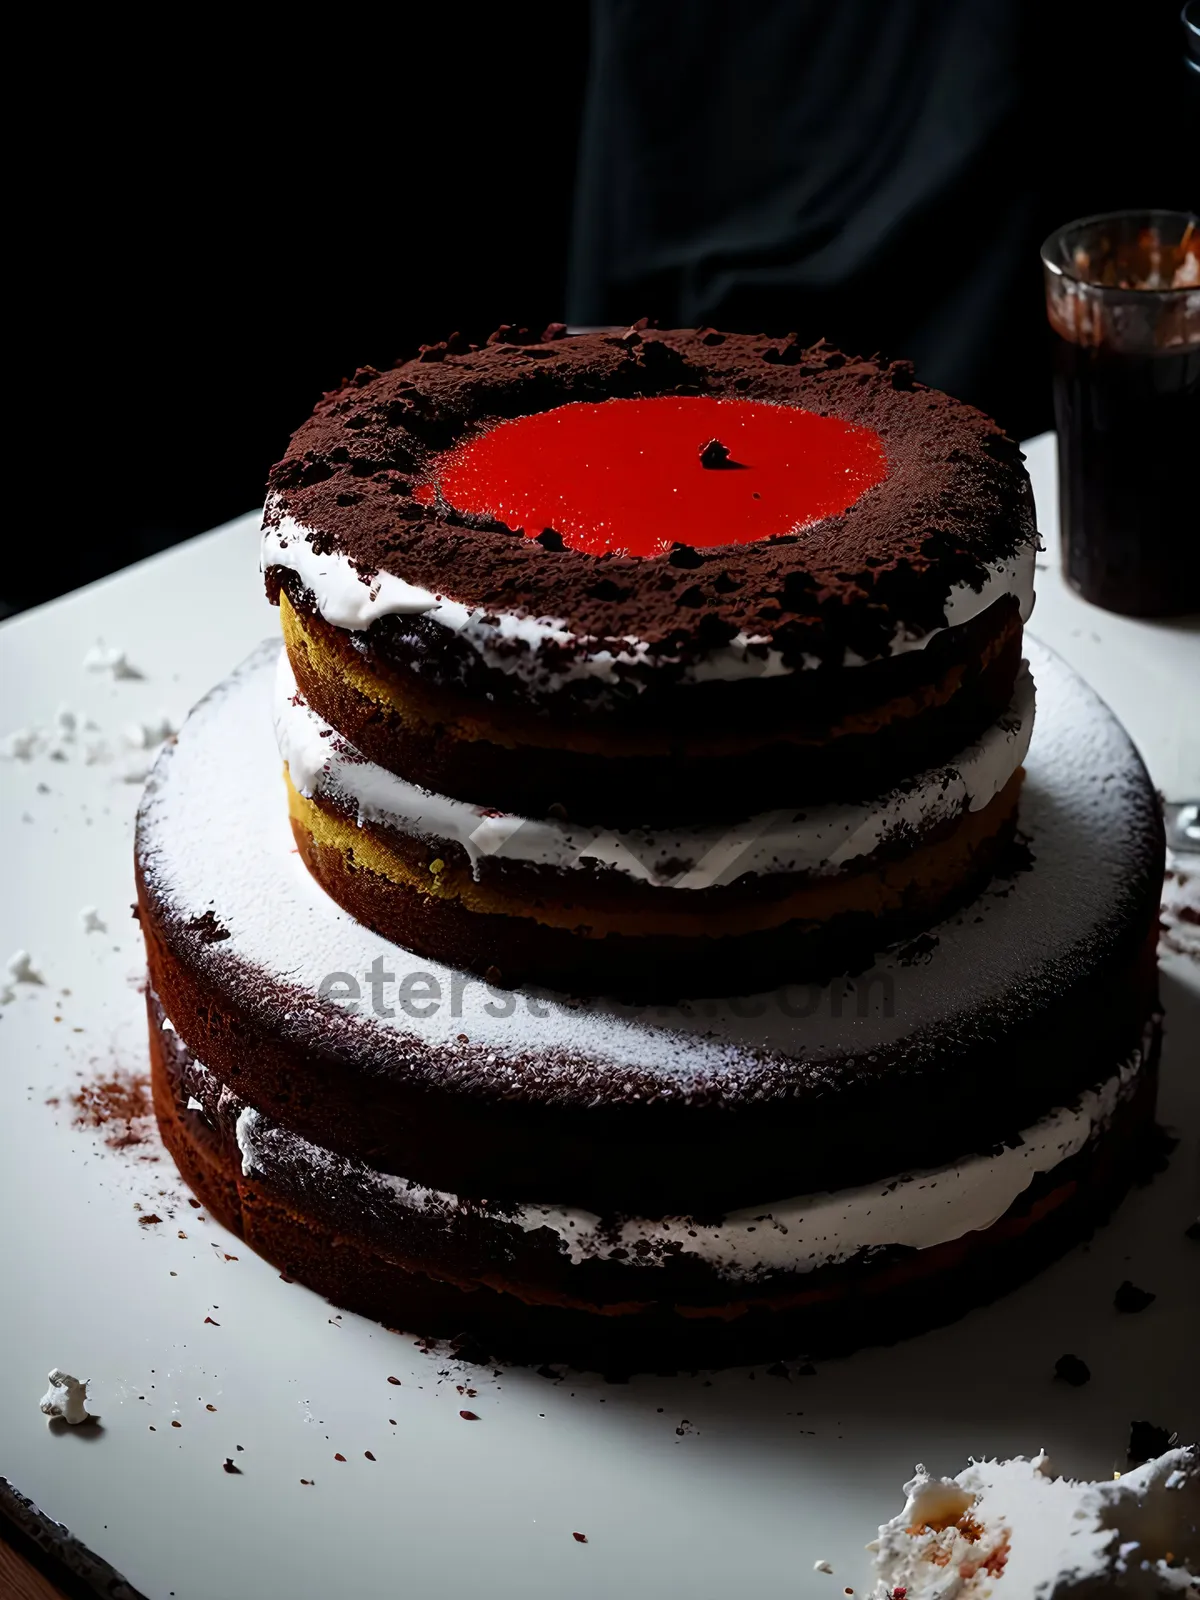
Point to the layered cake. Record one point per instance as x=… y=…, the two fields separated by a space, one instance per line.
x=644 y=963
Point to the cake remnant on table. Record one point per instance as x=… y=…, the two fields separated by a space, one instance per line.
x=1014 y=1529
x=1072 y=1370
x=66 y=1398
x=20 y=968
x=1147 y=1440
x=1131 y=1299
x=103 y=658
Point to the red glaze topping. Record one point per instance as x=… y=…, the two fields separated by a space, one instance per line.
x=633 y=477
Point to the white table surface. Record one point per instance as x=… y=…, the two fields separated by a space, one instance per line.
x=687 y=1486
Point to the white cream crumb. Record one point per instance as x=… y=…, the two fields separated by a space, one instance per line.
x=21 y=745
x=148 y=735
x=21 y=969
x=66 y=1397
x=823 y=1566
x=103 y=658
x=194 y=1104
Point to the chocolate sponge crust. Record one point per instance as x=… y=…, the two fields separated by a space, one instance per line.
x=956 y=501
x=723 y=750
x=516 y=950
x=619 y=1140
x=515 y=1295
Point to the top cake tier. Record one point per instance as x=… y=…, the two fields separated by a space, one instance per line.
x=650 y=576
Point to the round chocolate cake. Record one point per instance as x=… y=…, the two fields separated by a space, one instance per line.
x=653 y=969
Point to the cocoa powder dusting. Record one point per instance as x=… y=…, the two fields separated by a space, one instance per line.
x=118 y=1103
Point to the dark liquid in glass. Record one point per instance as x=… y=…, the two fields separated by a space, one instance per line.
x=1129 y=476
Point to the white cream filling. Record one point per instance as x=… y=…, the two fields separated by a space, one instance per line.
x=347 y=600
x=819 y=839
x=915 y=1210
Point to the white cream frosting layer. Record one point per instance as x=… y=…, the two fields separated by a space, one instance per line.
x=346 y=599
x=819 y=839
x=916 y=1210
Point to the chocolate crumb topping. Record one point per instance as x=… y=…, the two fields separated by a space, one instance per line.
x=956 y=497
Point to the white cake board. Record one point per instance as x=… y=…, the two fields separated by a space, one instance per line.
x=735 y=1486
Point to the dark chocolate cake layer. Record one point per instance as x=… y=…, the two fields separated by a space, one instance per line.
x=780 y=896
x=948 y=1046
x=710 y=750
x=640 y=951
x=818 y=1273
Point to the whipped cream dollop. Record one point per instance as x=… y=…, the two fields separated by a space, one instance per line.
x=818 y=839
x=347 y=599
x=66 y=1398
x=1012 y=1530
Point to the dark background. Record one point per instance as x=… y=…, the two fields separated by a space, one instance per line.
x=217 y=227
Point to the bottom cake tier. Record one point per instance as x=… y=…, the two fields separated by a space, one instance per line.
x=803 y=1276
x=609 y=1184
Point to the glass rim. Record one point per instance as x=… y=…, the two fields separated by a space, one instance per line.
x=1147 y=212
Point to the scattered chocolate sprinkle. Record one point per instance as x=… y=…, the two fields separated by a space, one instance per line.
x=394 y=1380
x=579 y=1538
x=368 y=1455
x=1146 y=1441
x=1132 y=1299
x=1073 y=1371
x=715 y=456
x=175 y=1422
x=338 y=1456
x=210 y=1408
x=210 y=930
x=307 y=1482
x=149 y=1220
x=230 y=1467
x=470 y=1351
x=215 y=1324
x=120 y=1103
x=468 y=1416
